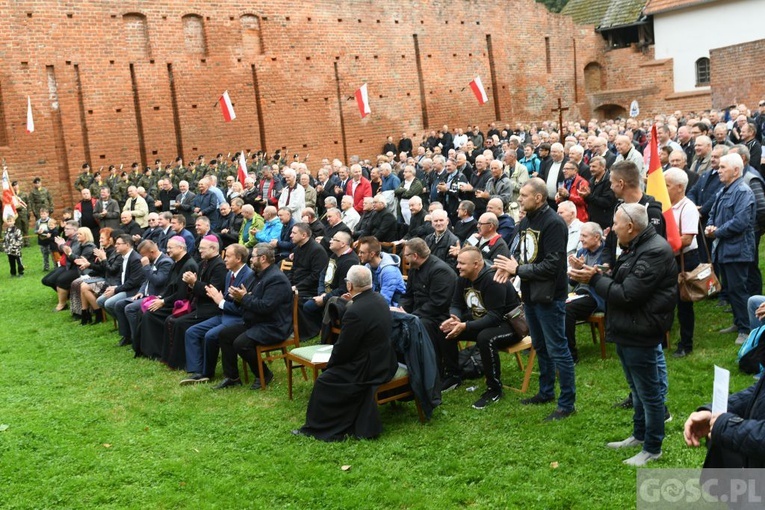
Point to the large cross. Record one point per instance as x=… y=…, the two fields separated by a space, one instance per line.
x=560 y=109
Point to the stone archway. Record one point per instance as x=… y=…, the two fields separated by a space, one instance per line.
x=609 y=111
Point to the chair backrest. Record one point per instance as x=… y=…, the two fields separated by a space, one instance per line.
x=286 y=265
x=404 y=267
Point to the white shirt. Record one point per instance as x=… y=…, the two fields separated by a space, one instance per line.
x=687 y=220
x=573 y=244
x=351 y=218
x=552 y=178
x=125 y=259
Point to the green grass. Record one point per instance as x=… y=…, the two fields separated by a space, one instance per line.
x=89 y=426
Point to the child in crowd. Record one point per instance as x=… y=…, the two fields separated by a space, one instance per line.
x=44 y=237
x=12 y=243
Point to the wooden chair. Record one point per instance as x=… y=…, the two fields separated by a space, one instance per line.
x=286 y=265
x=597 y=322
x=391 y=247
x=278 y=351
x=517 y=349
x=398 y=388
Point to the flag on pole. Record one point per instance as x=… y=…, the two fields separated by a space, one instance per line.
x=241 y=173
x=480 y=93
x=9 y=197
x=657 y=188
x=362 y=100
x=226 y=107
x=30 y=120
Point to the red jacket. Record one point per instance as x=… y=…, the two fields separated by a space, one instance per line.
x=573 y=195
x=363 y=189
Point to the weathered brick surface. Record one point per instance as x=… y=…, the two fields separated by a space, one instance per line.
x=294 y=52
x=738 y=75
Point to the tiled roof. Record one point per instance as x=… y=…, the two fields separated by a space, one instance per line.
x=605 y=13
x=658 y=6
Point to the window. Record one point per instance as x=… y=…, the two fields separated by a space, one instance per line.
x=702 y=72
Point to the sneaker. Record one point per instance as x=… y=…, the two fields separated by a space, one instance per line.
x=627 y=443
x=625 y=404
x=729 y=329
x=642 y=458
x=450 y=383
x=536 y=399
x=488 y=397
x=559 y=414
x=741 y=338
x=194 y=379
x=667 y=415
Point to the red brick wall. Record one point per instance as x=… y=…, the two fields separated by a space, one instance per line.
x=737 y=74
x=294 y=53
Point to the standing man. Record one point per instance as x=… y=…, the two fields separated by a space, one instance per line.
x=640 y=299
x=137 y=207
x=107 y=210
x=731 y=225
x=540 y=262
x=293 y=195
x=40 y=198
x=358 y=187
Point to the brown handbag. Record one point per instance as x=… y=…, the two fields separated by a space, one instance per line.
x=517 y=320
x=700 y=283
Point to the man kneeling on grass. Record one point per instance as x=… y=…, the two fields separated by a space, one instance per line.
x=343 y=400
x=477 y=314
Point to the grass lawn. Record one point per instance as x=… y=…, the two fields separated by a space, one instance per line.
x=84 y=425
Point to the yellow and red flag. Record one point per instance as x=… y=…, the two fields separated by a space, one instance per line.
x=657 y=188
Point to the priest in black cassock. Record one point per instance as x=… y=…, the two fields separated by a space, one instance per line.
x=343 y=400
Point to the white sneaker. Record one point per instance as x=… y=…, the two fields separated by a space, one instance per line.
x=741 y=338
x=642 y=458
x=627 y=443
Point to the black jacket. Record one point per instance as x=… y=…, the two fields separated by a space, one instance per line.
x=308 y=262
x=642 y=293
x=464 y=229
x=483 y=302
x=440 y=247
x=541 y=254
x=383 y=226
x=332 y=279
x=429 y=290
x=133 y=275
x=601 y=201
x=655 y=218
x=418 y=227
x=267 y=307
x=211 y=272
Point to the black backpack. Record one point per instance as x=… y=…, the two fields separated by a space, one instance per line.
x=470 y=363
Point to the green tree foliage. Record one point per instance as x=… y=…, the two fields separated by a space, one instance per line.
x=554 y=5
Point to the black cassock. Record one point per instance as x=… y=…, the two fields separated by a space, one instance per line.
x=342 y=403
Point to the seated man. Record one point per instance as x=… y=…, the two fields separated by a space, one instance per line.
x=466 y=225
x=342 y=402
x=487 y=239
x=382 y=223
x=477 y=312
x=272 y=228
x=283 y=245
x=587 y=300
x=386 y=275
x=132 y=276
x=506 y=226
x=350 y=215
x=429 y=290
x=334 y=225
x=308 y=261
x=211 y=272
x=267 y=318
x=309 y=218
x=332 y=281
x=418 y=224
x=201 y=340
x=442 y=240
x=252 y=222
x=567 y=211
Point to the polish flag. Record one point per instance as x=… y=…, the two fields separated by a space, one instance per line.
x=9 y=197
x=657 y=188
x=30 y=120
x=362 y=100
x=241 y=173
x=226 y=107
x=478 y=90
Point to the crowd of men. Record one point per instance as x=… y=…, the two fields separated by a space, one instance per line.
x=451 y=231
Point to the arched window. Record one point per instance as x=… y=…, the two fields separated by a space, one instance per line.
x=252 y=37
x=194 y=34
x=136 y=34
x=702 y=72
x=593 y=77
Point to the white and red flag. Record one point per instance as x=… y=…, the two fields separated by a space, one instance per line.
x=480 y=93
x=9 y=197
x=226 y=107
x=362 y=100
x=241 y=172
x=30 y=120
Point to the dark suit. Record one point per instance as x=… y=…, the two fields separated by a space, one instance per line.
x=184 y=206
x=383 y=226
x=133 y=277
x=112 y=218
x=340 y=227
x=342 y=402
x=267 y=316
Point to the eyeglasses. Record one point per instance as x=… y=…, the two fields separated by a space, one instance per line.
x=482 y=224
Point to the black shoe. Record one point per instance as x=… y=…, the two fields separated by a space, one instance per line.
x=559 y=414
x=488 y=397
x=268 y=376
x=536 y=399
x=98 y=316
x=228 y=383
x=722 y=303
x=625 y=404
x=450 y=383
x=85 y=318
x=124 y=341
x=681 y=353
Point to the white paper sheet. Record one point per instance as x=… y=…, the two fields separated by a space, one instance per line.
x=721 y=390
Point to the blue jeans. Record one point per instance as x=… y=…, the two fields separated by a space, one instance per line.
x=202 y=344
x=111 y=302
x=547 y=327
x=752 y=304
x=642 y=373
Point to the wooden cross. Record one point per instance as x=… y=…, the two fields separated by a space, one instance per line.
x=560 y=109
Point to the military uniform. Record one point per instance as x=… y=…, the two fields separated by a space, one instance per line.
x=95 y=187
x=39 y=198
x=120 y=191
x=83 y=181
x=22 y=221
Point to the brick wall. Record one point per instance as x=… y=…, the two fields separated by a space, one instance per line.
x=99 y=75
x=738 y=75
